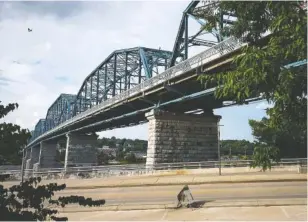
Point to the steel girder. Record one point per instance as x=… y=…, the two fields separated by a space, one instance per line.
x=121 y=70
x=38 y=129
x=60 y=111
x=196 y=11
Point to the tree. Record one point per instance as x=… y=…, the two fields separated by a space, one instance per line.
x=236 y=147
x=130 y=158
x=288 y=145
x=261 y=67
x=27 y=201
x=112 y=142
x=119 y=155
x=12 y=138
x=264 y=155
x=102 y=158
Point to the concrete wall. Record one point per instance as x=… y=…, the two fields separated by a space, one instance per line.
x=181 y=138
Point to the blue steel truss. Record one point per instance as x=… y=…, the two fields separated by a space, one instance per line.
x=196 y=10
x=39 y=128
x=121 y=70
x=59 y=111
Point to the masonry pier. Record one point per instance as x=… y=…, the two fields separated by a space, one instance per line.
x=176 y=137
x=48 y=154
x=80 y=149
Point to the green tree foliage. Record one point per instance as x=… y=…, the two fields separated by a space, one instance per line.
x=289 y=146
x=264 y=155
x=103 y=158
x=124 y=146
x=260 y=68
x=27 y=201
x=236 y=147
x=12 y=138
x=30 y=201
x=131 y=158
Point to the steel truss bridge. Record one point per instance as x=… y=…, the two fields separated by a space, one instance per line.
x=130 y=82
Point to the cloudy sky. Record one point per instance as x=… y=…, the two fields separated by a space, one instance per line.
x=70 y=39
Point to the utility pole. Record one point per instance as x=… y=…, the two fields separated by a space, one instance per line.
x=23 y=165
x=219 y=157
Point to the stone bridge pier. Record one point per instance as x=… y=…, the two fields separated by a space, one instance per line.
x=176 y=137
x=48 y=152
x=80 y=149
x=32 y=156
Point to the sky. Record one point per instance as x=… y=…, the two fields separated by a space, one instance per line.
x=69 y=39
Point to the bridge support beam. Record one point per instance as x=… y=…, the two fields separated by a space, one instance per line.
x=80 y=149
x=48 y=151
x=174 y=137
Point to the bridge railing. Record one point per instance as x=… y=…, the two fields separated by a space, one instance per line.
x=137 y=169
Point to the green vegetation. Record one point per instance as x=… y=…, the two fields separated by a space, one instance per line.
x=27 y=201
x=12 y=138
x=124 y=150
x=103 y=159
x=124 y=144
x=280 y=137
x=264 y=155
x=236 y=148
x=260 y=70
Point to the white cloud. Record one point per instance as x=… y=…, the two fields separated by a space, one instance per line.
x=264 y=105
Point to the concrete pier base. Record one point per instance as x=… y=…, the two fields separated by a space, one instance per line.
x=174 y=137
x=35 y=155
x=48 y=154
x=80 y=150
